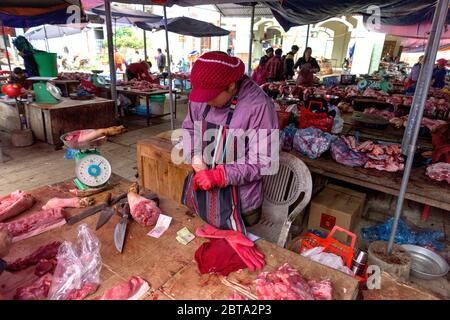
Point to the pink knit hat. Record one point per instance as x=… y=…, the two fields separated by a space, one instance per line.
x=212 y=73
x=442 y=62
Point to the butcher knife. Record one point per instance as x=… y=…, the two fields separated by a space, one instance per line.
x=121 y=228
x=93 y=210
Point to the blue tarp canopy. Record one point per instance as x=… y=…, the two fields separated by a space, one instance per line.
x=186 y=26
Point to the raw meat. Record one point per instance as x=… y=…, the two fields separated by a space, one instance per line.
x=284 y=284
x=432 y=124
x=92 y=134
x=439 y=171
x=34 y=224
x=14 y=204
x=143 y=85
x=134 y=289
x=83 y=292
x=36 y=291
x=382 y=113
x=144 y=211
x=47 y=251
x=236 y=296
x=345 y=107
x=321 y=290
x=68 y=203
x=73 y=76
x=45 y=266
x=346 y=155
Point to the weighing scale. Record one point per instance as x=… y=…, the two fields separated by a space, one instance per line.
x=45 y=91
x=92 y=170
x=97 y=80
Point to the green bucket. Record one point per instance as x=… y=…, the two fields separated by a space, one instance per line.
x=47 y=64
x=158 y=98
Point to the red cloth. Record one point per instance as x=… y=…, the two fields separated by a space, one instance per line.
x=219 y=257
x=139 y=69
x=212 y=73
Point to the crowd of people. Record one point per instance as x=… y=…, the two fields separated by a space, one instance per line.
x=273 y=66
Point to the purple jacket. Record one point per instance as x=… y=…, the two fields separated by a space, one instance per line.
x=254 y=110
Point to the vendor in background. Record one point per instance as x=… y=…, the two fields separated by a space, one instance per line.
x=161 y=61
x=308 y=66
x=269 y=54
x=139 y=71
x=224 y=98
x=18 y=76
x=119 y=60
x=410 y=85
x=27 y=51
x=274 y=67
x=259 y=75
x=136 y=57
x=439 y=74
x=289 y=63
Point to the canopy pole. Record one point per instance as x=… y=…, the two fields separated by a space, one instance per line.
x=418 y=104
x=172 y=125
x=307 y=37
x=6 y=46
x=145 y=38
x=252 y=22
x=112 y=63
x=46 y=39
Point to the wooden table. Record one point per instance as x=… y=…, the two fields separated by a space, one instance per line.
x=147 y=95
x=50 y=121
x=420 y=188
x=167 y=265
x=66 y=86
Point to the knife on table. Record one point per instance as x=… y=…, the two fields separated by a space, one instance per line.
x=121 y=228
x=93 y=210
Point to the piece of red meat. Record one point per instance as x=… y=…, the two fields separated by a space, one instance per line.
x=47 y=251
x=14 y=204
x=133 y=289
x=439 y=171
x=83 y=292
x=38 y=290
x=45 y=266
x=34 y=224
x=284 y=284
x=144 y=211
x=321 y=290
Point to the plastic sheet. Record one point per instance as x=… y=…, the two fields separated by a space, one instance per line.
x=79 y=265
x=404 y=235
x=342 y=154
x=338 y=122
x=326 y=258
x=312 y=142
x=287 y=137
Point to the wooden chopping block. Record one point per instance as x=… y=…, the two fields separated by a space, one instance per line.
x=22 y=138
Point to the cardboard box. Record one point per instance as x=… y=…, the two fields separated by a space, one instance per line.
x=336 y=205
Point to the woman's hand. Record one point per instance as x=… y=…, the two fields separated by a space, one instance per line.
x=5 y=242
x=198 y=164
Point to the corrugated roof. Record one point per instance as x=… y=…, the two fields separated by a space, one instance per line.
x=231 y=10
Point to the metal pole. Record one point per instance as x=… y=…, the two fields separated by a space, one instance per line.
x=145 y=38
x=112 y=63
x=220 y=25
x=418 y=104
x=252 y=22
x=46 y=39
x=6 y=47
x=172 y=125
x=307 y=37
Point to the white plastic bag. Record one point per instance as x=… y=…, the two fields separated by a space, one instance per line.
x=329 y=259
x=79 y=265
x=338 y=123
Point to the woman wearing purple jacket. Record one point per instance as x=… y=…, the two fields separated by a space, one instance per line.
x=225 y=187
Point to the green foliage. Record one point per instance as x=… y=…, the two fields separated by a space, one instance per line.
x=125 y=38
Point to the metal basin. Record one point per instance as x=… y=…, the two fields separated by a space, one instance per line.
x=426 y=264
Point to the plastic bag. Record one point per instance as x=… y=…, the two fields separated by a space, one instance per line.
x=287 y=137
x=326 y=258
x=338 y=123
x=342 y=154
x=79 y=266
x=404 y=235
x=312 y=142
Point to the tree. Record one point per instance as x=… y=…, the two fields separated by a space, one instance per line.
x=125 y=38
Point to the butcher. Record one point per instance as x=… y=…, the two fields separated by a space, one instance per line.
x=5 y=244
x=308 y=66
x=439 y=74
x=139 y=71
x=227 y=194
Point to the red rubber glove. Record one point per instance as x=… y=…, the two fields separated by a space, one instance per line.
x=209 y=179
x=243 y=246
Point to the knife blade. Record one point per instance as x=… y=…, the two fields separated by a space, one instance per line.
x=109 y=201
x=121 y=229
x=105 y=215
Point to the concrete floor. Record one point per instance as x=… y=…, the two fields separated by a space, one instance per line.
x=39 y=164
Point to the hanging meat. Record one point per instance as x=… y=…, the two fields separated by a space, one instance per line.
x=14 y=204
x=144 y=211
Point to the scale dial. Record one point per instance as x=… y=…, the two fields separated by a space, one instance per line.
x=93 y=170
